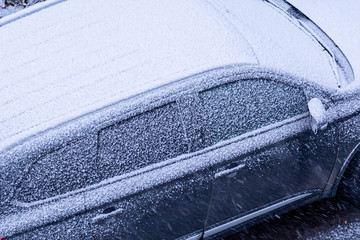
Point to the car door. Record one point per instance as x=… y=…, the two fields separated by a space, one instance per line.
x=149 y=188
x=269 y=156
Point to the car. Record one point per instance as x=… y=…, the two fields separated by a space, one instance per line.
x=171 y=120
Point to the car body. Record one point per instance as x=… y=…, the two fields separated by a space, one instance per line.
x=158 y=120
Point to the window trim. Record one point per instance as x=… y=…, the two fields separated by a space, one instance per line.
x=184 y=142
x=166 y=163
x=260 y=130
x=233 y=79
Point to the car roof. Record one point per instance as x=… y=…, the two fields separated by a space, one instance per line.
x=72 y=58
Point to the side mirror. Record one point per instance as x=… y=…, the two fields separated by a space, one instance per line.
x=318 y=116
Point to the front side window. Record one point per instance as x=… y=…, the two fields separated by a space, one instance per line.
x=144 y=139
x=238 y=107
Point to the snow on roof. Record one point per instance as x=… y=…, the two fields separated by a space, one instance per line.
x=75 y=57
x=340 y=21
x=72 y=58
x=278 y=41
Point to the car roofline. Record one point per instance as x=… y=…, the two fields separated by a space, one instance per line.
x=28 y=11
x=162 y=93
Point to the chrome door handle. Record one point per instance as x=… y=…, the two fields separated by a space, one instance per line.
x=228 y=171
x=107 y=213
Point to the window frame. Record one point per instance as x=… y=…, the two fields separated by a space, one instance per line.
x=265 y=75
x=134 y=115
x=69 y=145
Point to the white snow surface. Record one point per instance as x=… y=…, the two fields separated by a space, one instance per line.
x=349 y=231
x=340 y=21
x=13 y=13
x=279 y=42
x=8 y=10
x=73 y=58
x=79 y=57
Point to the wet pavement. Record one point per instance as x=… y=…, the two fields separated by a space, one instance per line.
x=334 y=218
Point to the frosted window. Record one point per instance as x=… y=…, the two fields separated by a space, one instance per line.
x=59 y=171
x=147 y=138
x=239 y=107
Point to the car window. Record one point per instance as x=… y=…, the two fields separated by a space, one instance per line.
x=59 y=171
x=235 y=108
x=144 y=139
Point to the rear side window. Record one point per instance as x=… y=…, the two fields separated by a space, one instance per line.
x=236 y=108
x=59 y=171
x=144 y=139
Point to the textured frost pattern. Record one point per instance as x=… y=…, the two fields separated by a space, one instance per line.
x=239 y=107
x=148 y=138
x=58 y=172
x=78 y=58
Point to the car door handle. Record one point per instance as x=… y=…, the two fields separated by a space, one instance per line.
x=107 y=213
x=228 y=171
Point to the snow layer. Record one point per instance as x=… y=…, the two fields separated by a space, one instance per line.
x=8 y=10
x=80 y=57
x=278 y=42
x=72 y=58
x=340 y=21
x=349 y=231
x=13 y=13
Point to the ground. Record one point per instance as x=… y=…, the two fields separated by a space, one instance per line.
x=332 y=219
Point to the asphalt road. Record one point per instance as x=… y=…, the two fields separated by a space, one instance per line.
x=334 y=218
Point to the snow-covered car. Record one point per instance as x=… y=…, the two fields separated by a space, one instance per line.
x=171 y=119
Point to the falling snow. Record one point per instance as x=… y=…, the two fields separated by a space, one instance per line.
x=112 y=116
